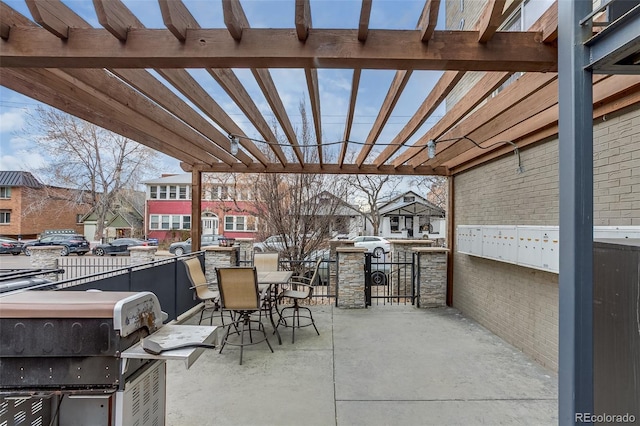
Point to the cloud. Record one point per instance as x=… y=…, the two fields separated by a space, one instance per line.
x=11 y=121
x=23 y=160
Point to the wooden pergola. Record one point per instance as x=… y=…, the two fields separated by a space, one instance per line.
x=102 y=75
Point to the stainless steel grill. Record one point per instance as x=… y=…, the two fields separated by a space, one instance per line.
x=76 y=355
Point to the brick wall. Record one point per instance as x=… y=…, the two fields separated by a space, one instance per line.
x=521 y=304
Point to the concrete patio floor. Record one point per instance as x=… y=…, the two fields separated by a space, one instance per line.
x=392 y=365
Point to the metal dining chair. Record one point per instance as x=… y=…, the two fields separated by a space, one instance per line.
x=300 y=288
x=239 y=293
x=210 y=298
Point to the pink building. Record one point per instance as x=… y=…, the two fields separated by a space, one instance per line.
x=226 y=209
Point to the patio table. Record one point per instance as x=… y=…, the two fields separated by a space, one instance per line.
x=267 y=281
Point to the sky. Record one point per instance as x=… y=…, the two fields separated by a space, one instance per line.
x=18 y=152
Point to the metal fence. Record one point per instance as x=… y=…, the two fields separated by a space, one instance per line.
x=77 y=266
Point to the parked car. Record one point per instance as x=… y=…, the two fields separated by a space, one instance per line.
x=376 y=245
x=184 y=247
x=379 y=270
x=10 y=245
x=119 y=246
x=71 y=243
x=272 y=243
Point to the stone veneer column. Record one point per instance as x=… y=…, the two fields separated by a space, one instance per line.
x=433 y=276
x=142 y=254
x=350 y=277
x=245 y=253
x=218 y=257
x=45 y=257
x=333 y=266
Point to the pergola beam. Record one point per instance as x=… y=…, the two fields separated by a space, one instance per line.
x=355 y=82
x=327 y=168
x=428 y=19
x=398 y=84
x=490 y=20
x=363 y=23
x=278 y=48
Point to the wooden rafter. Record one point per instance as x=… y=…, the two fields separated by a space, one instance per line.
x=268 y=87
x=303 y=19
x=610 y=94
x=234 y=18
x=279 y=48
x=363 y=23
x=177 y=18
x=115 y=12
x=490 y=19
x=398 y=84
x=327 y=168
x=227 y=79
x=428 y=19
x=355 y=83
x=437 y=95
x=189 y=87
x=483 y=88
x=311 y=75
x=75 y=103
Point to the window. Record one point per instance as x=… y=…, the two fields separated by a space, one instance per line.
x=5 y=216
x=240 y=223
x=182 y=194
x=163 y=192
x=162 y=221
x=409 y=199
x=5 y=192
x=173 y=192
x=394 y=221
x=153 y=192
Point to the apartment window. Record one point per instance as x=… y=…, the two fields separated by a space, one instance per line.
x=5 y=192
x=153 y=192
x=163 y=193
x=239 y=223
x=409 y=199
x=173 y=192
x=182 y=192
x=5 y=217
x=165 y=221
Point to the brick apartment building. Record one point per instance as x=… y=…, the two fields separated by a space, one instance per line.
x=226 y=209
x=27 y=207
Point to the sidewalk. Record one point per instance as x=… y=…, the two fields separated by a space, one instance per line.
x=394 y=365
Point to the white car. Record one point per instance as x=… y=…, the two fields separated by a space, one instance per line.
x=376 y=245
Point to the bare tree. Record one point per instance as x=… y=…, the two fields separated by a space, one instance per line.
x=374 y=189
x=303 y=208
x=97 y=163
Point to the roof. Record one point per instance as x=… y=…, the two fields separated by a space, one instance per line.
x=102 y=74
x=180 y=179
x=417 y=205
x=19 y=178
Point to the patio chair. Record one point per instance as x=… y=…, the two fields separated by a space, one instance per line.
x=239 y=293
x=301 y=288
x=266 y=262
x=210 y=298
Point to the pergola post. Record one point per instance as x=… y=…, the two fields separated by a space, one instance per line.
x=575 y=372
x=196 y=208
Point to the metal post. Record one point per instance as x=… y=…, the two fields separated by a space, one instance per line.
x=196 y=209
x=575 y=371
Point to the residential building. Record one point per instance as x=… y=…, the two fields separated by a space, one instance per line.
x=227 y=208
x=125 y=220
x=343 y=219
x=518 y=303
x=412 y=216
x=28 y=207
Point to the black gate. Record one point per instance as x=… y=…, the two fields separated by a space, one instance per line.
x=390 y=279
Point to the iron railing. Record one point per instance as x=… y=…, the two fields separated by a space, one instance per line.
x=390 y=279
